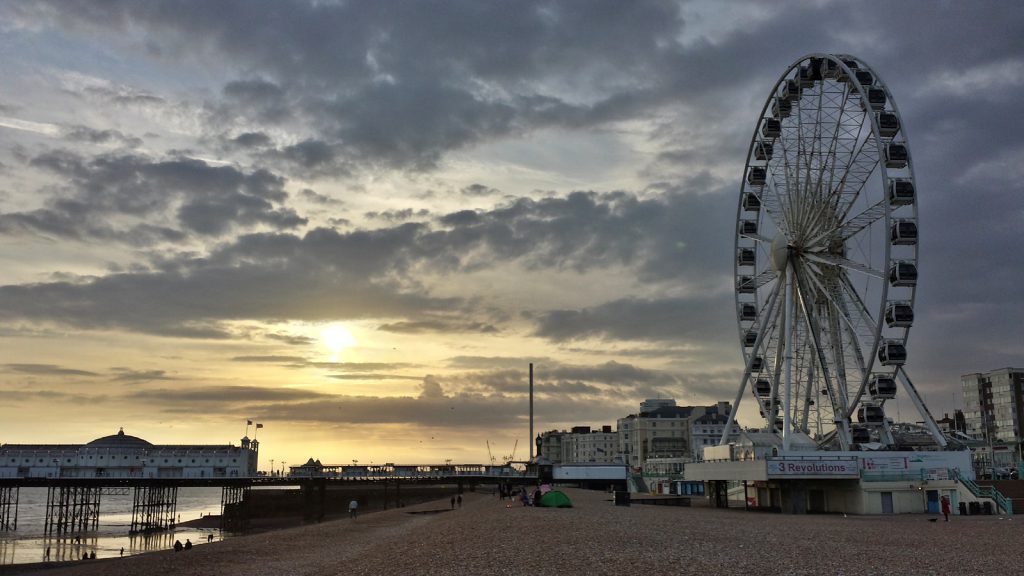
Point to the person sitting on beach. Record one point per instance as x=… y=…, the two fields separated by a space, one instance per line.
x=188 y=544
x=177 y=546
x=92 y=555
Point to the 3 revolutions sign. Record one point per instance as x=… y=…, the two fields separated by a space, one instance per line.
x=824 y=468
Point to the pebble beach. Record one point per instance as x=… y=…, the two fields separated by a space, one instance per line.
x=488 y=536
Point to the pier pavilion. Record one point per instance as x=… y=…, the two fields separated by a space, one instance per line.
x=123 y=456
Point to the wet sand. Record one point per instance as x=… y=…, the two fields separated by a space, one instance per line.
x=594 y=537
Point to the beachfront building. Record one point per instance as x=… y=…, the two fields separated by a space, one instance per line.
x=952 y=426
x=581 y=445
x=707 y=429
x=994 y=415
x=123 y=456
x=994 y=404
x=665 y=432
x=756 y=472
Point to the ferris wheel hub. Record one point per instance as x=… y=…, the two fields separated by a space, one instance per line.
x=780 y=252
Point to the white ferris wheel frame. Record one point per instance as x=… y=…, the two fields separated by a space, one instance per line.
x=821 y=287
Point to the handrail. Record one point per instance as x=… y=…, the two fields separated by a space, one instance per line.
x=984 y=492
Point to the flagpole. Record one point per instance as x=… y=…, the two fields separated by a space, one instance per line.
x=247 y=424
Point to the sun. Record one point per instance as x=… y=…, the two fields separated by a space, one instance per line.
x=336 y=338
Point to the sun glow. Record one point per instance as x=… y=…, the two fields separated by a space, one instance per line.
x=335 y=339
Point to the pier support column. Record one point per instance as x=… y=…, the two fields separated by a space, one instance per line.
x=72 y=509
x=234 y=508
x=154 y=508
x=8 y=508
x=314 y=497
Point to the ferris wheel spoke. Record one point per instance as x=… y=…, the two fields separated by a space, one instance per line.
x=827 y=294
x=757 y=238
x=863 y=164
x=854 y=343
x=767 y=321
x=854 y=225
x=814 y=331
x=834 y=260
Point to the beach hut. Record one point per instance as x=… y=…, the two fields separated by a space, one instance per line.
x=555 y=499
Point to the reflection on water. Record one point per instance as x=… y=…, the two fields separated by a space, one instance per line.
x=20 y=551
x=30 y=544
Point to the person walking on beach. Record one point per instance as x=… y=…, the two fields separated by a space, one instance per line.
x=459 y=500
x=122 y=551
x=353 y=508
x=945 y=507
x=47 y=557
x=453 y=502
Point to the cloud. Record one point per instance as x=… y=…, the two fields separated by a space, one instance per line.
x=292 y=339
x=130 y=375
x=202 y=198
x=268 y=276
x=672 y=319
x=47 y=370
x=478 y=190
x=222 y=395
x=274 y=359
x=428 y=326
x=94 y=136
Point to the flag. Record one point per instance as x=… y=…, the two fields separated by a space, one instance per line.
x=248 y=422
x=259 y=425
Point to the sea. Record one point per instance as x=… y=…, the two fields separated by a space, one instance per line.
x=29 y=542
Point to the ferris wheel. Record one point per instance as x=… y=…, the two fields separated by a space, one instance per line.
x=826 y=257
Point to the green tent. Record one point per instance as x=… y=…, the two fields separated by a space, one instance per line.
x=555 y=499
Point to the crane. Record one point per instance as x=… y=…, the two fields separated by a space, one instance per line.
x=513 y=456
x=489 y=455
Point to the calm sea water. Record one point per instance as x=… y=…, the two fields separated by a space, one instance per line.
x=29 y=542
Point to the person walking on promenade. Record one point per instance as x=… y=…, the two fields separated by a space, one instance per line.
x=945 y=507
x=353 y=508
x=459 y=500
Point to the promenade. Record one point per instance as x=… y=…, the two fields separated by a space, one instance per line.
x=593 y=538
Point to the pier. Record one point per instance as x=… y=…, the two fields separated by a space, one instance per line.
x=73 y=504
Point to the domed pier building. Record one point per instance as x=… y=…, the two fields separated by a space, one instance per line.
x=123 y=456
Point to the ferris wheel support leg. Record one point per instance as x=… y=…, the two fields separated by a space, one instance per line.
x=921 y=408
x=788 y=392
x=750 y=362
x=886 y=433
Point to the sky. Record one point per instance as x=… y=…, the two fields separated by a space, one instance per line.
x=358 y=223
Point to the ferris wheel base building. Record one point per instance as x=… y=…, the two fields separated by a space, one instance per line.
x=754 y=473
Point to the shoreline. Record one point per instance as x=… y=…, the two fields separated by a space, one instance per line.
x=266 y=526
